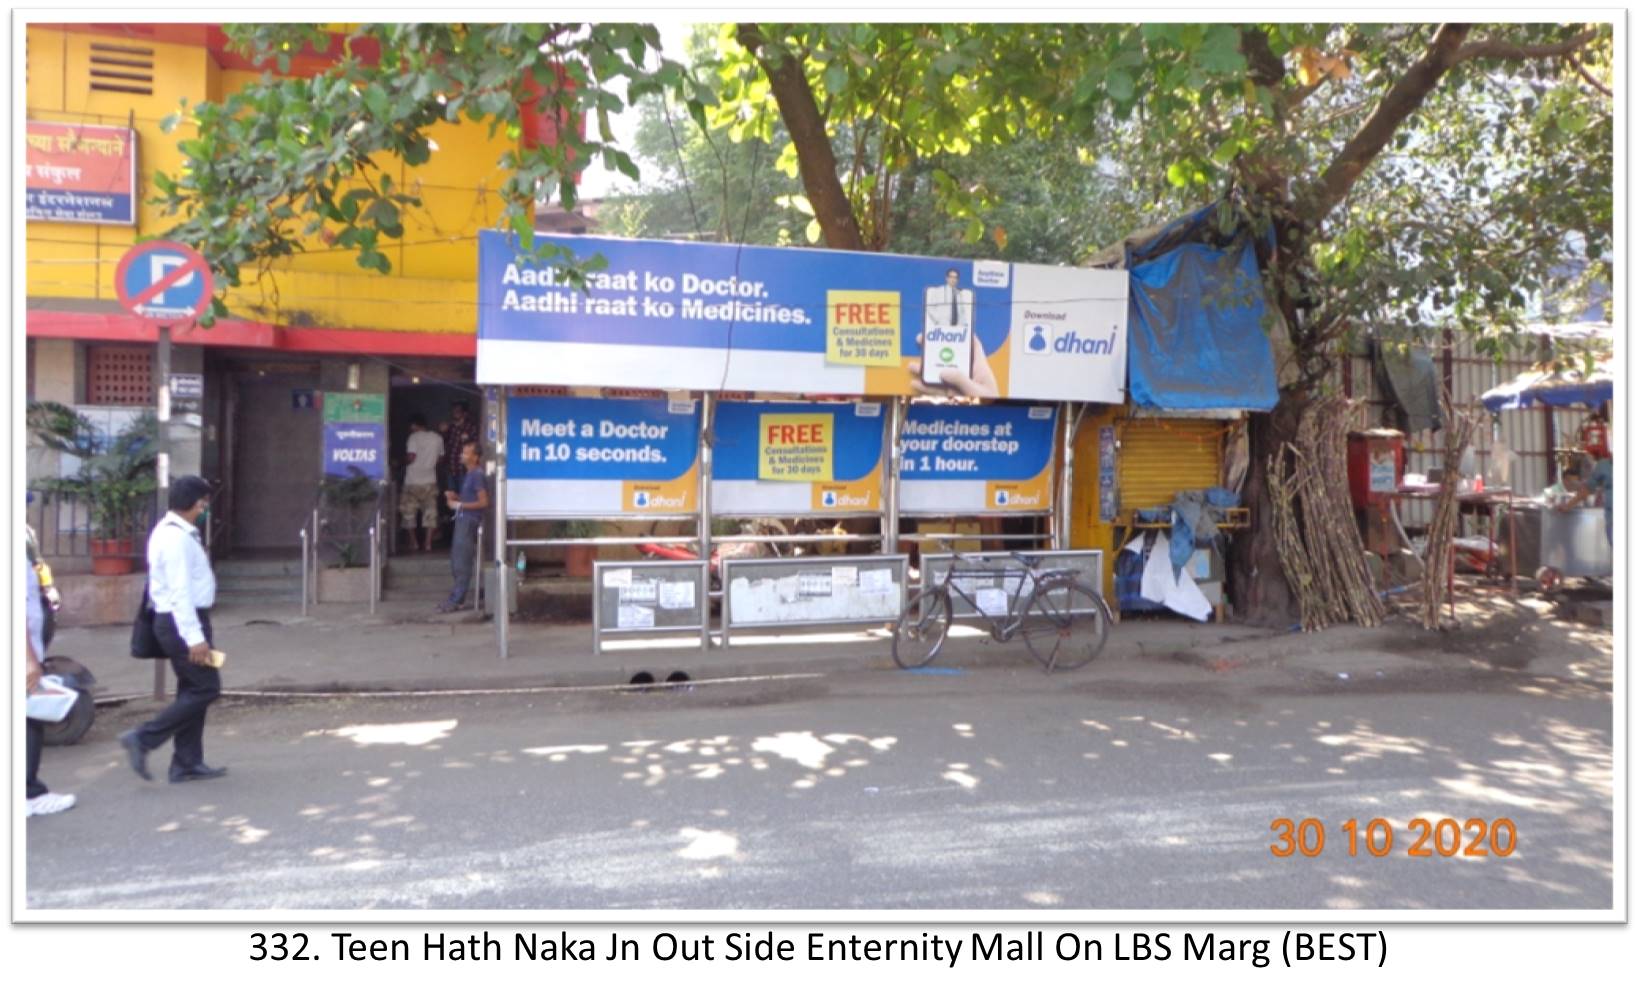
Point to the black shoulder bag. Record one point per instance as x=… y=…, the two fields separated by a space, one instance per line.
x=144 y=644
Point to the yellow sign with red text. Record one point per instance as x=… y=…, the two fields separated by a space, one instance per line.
x=862 y=328
x=796 y=447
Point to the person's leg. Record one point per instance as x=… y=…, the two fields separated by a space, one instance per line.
x=462 y=549
x=36 y=742
x=188 y=704
x=201 y=685
x=429 y=512
x=406 y=512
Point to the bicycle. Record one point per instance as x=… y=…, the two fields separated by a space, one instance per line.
x=1064 y=622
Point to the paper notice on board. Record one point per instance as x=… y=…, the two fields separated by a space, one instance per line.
x=814 y=585
x=992 y=601
x=876 y=581
x=788 y=588
x=676 y=594
x=841 y=577
x=617 y=578
x=640 y=591
x=636 y=617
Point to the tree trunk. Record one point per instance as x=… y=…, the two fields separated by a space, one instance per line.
x=1261 y=595
x=806 y=125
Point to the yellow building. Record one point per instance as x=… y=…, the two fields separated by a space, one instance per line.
x=316 y=323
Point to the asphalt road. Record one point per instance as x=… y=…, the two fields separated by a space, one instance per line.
x=1141 y=786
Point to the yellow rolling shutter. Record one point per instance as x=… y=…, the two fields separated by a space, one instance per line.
x=1159 y=458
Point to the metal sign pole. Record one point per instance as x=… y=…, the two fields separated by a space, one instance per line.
x=707 y=419
x=890 y=500
x=162 y=405
x=503 y=614
x=1061 y=521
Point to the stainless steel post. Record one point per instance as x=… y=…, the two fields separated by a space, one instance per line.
x=304 y=570
x=503 y=617
x=707 y=472
x=315 y=541
x=477 y=572
x=890 y=500
x=375 y=560
x=162 y=405
x=1061 y=519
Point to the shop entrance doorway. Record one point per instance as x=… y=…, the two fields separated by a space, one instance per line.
x=434 y=402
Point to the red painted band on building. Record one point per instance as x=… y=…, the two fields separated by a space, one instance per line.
x=252 y=335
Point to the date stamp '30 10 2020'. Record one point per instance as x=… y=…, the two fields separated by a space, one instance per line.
x=1445 y=838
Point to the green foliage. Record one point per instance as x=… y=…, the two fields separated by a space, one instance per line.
x=346 y=504
x=115 y=474
x=1498 y=175
x=285 y=161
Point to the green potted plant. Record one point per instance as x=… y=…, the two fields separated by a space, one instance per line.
x=114 y=478
x=346 y=504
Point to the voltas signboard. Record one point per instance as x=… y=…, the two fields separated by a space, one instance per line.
x=792 y=458
x=988 y=459
x=601 y=456
x=675 y=315
x=355 y=434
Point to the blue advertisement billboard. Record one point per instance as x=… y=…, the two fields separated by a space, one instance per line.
x=601 y=456
x=967 y=459
x=676 y=315
x=798 y=458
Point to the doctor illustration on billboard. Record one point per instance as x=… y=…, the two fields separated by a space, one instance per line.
x=952 y=358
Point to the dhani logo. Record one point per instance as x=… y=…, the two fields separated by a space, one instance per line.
x=647 y=500
x=1039 y=340
x=830 y=499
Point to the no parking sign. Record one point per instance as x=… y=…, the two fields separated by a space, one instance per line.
x=164 y=281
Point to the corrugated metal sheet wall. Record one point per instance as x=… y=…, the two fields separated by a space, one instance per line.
x=1524 y=431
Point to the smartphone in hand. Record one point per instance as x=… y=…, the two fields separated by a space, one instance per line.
x=945 y=347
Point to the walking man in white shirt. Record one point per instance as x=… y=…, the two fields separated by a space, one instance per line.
x=421 y=455
x=183 y=589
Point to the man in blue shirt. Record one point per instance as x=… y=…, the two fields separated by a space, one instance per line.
x=468 y=505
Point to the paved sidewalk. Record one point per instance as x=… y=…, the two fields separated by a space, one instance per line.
x=343 y=648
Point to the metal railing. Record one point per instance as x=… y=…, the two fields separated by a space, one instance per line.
x=62 y=524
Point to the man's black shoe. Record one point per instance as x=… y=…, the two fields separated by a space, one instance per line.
x=137 y=754
x=197 y=774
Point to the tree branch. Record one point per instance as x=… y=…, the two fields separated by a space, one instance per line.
x=814 y=156
x=1582 y=70
x=1496 y=48
x=1401 y=101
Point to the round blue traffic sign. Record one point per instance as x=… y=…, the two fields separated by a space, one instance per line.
x=163 y=280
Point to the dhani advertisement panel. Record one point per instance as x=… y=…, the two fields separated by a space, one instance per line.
x=679 y=315
x=966 y=460
x=800 y=459
x=601 y=456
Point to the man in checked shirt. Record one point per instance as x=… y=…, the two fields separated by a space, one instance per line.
x=182 y=588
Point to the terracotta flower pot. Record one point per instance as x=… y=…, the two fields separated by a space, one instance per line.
x=577 y=563
x=112 y=557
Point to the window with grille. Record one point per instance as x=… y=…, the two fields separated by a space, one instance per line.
x=119 y=375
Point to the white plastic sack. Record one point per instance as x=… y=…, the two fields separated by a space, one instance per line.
x=51 y=701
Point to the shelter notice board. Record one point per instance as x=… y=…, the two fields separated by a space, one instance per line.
x=645 y=595
x=601 y=456
x=795 y=458
x=683 y=315
x=785 y=591
x=977 y=460
x=80 y=173
x=355 y=435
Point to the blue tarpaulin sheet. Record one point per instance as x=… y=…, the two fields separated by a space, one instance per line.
x=1544 y=386
x=1195 y=331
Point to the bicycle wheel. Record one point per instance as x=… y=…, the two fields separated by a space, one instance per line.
x=1065 y=625
x=922 y=628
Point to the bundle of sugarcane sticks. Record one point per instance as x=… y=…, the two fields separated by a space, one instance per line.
x=1320 y=547
x=1437 y=564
